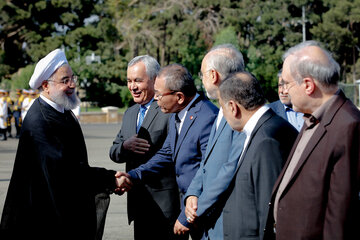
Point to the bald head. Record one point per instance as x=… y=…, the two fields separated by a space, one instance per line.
x=309 y=59
x=244 y=88
x=225 y=59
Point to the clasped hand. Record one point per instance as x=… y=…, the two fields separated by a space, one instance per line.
x=123 y=182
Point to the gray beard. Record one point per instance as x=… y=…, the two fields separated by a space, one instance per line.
x=68 y=102
x=210 y=96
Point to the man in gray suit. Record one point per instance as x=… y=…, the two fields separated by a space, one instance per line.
x=269 y=139
x=153 y=205
x=223 y=149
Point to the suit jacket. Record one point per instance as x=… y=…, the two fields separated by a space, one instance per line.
x=52 y=189
x=184 y=152
x=246 y=208
x=279 y=109
x=214 y=176
x=321 y=201
x=161 y=189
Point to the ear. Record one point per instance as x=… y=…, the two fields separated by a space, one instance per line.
x=180 y=97
x=45 y=86
x=309 y=85
x=215 y=77
x=235 y=109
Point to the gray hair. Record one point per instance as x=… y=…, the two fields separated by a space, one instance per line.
x=244 y=88
x=227 y=59
x=151 y=65
x=178 y=78
x=327 y=73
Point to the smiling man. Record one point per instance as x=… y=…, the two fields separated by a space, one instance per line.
x=52 y=190
x=142 y=133
x=189 y=127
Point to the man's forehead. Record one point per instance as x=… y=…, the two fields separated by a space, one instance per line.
x=63 y=71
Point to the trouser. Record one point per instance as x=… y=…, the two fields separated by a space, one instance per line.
x=17 y=125
x=3 y=132
x=8 y=129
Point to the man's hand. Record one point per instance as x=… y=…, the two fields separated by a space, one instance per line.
x=190 y=209
x=123 y=182
x=136 y=145
x=180 y=229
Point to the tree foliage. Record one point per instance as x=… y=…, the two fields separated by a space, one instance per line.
x=172 y=31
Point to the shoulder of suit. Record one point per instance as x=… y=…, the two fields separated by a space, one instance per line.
x=209 y=105
x=275 y=104
x=134 y=107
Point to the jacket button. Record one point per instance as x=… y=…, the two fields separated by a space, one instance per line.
x=204 y=170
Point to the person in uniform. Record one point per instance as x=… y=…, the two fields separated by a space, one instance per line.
x=3 y=115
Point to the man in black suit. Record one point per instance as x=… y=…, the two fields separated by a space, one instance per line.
x=154 y=204
x=269 y=139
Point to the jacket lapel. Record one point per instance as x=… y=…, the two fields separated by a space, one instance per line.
x=313 y=142
x=189 y=120
x=266 y=116
x=214 y=135
x=150 y=115
x=133 y=121
x=319 y=133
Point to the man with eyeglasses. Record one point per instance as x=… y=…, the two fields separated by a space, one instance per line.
x=189 y=130
x=143 y=131
x=316 y=196
x=52 y=190
x=283 y=106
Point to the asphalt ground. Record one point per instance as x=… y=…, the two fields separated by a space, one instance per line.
x=98 y=138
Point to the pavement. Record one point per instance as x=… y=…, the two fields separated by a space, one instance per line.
x=98 y=138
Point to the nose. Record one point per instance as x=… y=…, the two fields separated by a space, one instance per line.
x=133 y=85
x=72 y=84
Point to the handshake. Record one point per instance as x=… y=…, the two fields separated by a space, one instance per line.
x=123 y=182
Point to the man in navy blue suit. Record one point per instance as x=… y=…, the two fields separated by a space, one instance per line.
x=283 y=107
x=224 y=148
x=189 y=130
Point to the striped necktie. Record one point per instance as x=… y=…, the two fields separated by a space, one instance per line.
x=141 y=117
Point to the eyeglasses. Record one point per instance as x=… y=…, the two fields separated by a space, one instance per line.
x=160 y=96
x=287 y=85
x=201 y=75
x=66 y=80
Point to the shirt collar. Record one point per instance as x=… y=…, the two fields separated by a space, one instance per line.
x=250 y=125
x=56 y=106
x=312 y=119
x=182 y=113
x=147 y=105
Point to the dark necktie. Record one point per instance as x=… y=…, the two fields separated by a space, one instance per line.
x=177 y=123
x=141 y=117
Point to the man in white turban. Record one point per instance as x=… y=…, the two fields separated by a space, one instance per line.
x=52 y=189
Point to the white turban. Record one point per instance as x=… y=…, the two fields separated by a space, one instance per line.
x=46 y=67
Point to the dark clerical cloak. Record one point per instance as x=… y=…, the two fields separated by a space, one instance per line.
x=52 y=188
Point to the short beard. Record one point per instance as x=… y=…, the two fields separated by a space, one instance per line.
x=68 y=102
x=211 y=94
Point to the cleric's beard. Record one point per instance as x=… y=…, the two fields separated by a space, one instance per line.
x=68 y=102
